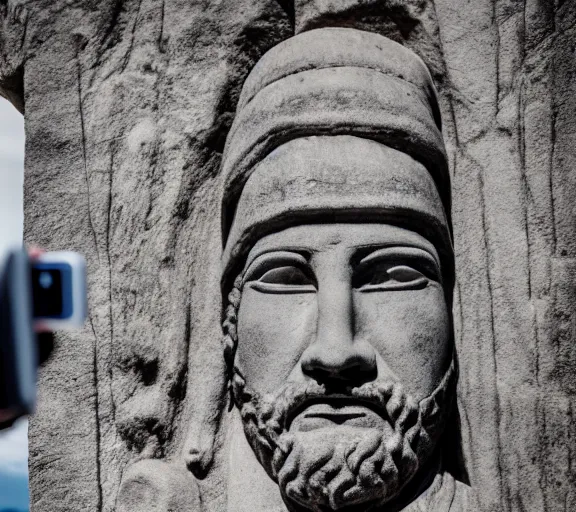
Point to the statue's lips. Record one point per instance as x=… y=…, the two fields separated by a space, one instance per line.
x=331 y=412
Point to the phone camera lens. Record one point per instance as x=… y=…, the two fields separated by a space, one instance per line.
x=45 y=280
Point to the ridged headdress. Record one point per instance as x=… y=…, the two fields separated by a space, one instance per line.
x=335 y=125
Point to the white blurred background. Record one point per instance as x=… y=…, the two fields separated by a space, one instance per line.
x=13 y=442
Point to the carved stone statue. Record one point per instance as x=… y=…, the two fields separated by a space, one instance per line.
x=338 y=273
x=276 y=175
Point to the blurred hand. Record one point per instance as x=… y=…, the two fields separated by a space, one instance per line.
x=35 y=252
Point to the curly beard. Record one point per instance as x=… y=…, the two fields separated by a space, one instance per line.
x=346 y=466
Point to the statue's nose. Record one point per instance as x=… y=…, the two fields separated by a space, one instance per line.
x=335 y=358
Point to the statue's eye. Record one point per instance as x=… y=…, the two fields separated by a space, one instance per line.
x=404 y=274
x=292 y=276
x=382 y=277
x=396 y=268
x=288 y=279
x=280 y=272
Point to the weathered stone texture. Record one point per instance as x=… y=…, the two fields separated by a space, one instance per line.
x=127 y=105
x=511 y=99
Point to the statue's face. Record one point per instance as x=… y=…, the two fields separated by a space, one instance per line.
x=343 y=330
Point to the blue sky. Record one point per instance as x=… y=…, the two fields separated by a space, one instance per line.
x=13 y=442
x=14 y=467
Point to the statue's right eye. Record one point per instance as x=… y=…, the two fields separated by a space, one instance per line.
x=280 y=272
x=286 y=279
x=285 y=275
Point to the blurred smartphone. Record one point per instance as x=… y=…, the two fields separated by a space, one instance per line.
x=59 y=291
x=18 y=349
x=48 y=294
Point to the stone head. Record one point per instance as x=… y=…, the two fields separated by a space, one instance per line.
x=338 y=272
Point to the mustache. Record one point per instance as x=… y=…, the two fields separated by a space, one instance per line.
x=387 y=398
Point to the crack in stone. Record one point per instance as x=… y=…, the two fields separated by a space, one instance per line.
x=98 y=432
x=84 y=157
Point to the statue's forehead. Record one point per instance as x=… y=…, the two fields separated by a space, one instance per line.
x=345 y=236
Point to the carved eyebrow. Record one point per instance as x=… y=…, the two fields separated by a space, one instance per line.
x=305 y=253
x=401 y=251
x=272 y=257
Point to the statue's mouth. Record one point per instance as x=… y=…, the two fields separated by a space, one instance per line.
x=331 y=411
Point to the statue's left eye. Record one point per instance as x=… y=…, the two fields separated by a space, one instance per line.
x=383 y=277
x=404 y=274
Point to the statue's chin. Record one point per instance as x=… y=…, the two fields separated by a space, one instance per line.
x=338 y=468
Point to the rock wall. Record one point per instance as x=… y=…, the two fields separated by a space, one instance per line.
x=510 y=103
x=127 y=104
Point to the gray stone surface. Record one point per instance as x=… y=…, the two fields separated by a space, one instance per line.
x=128 y=104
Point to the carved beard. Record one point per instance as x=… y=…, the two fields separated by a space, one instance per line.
x=348 y=466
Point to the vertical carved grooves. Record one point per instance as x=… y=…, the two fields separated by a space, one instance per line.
x=178 y=390
x=552 y=160
x=98 y=431
x=109 y=263
x=84 y=156
x=98 y=434
x=496 y=32
x=128 y=54
x=161 y=48
x=486 y=251
x=527 y=199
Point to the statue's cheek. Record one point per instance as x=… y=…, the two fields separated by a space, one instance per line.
x=411 y=333
x=273 y=331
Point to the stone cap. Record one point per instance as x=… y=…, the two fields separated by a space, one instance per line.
x=340 y=47
x=336 y=179
x=332 y=82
